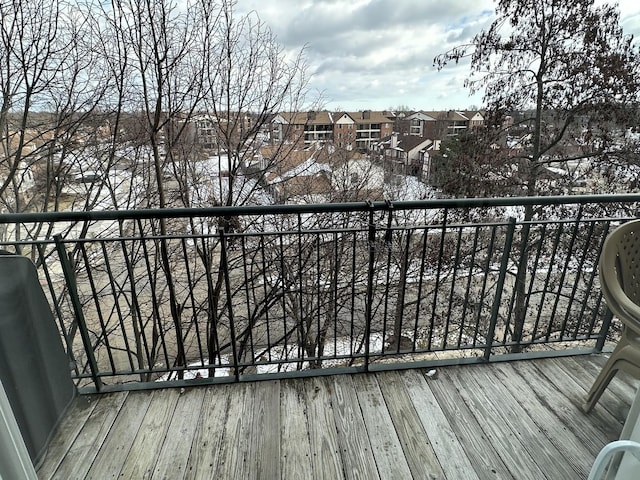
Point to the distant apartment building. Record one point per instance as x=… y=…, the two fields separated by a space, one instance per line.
x=319 y=128
x=438 y=125
x=345 y=131
x=363 y=131
x=420 y=124
x=371 y=127
x=206 y=130
x=476 y=119
x=405 y=155
x=302 y=127
x=348 y=130
x=449 y=123
x=210 y=132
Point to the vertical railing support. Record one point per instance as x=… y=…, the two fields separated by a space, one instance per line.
x=369 y=304
x=304 y=341
x=227 y=286
x=70 y=279
x=495 y=309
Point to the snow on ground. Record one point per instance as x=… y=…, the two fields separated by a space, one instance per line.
x=279 y=359
x=409 y=189
x=199 y=370
x=309 y=167
x=341 y=347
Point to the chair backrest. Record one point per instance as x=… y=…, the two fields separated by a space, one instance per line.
x=619 y=270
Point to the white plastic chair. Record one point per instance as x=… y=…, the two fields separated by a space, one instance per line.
x=607 y=454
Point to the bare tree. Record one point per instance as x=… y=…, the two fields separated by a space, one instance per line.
x=203 y=63
x=51 y=82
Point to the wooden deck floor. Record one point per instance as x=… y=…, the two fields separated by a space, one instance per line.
x=511 y=420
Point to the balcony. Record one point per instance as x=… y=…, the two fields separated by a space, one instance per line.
x=170 y=317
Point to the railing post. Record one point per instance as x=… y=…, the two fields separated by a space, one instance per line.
x=227 y=286
x=368 y=306
x=602 y=336
x=67 y=270
x=495 y=309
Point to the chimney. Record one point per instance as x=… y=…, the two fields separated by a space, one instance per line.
x=311 y=116
x=394 y=140
x=366 y=115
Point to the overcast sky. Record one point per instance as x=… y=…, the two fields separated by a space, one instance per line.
x=378 y=54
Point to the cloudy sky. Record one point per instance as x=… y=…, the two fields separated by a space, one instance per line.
x=379 y=54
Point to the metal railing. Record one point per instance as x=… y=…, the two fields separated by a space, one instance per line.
x=234 y=293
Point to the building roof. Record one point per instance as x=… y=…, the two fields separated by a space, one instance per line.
x=308 y=118
x=407 y=143
x=421 y=116
x=294 y=163
x=447 y=115
x=373 y=116
x=472 y=113
x=410 y=142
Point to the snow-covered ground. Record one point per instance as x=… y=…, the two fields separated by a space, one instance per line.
x=279 y=356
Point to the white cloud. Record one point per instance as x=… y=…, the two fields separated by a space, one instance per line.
x=379 y=53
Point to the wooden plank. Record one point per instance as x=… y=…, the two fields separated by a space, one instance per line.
x=67 y=431
x=116 y=446
x=568 y=448
x=495 y=421
x=174 y=455
x=85 y=447
x=233 y=461
x=610 y=425
x=265 y=440
x=144 y=452
x=525 y=380
x=296 y=449
x=417 y=448
x=357 y=458
x=326 y=457
x=203 y=460
x=484 y=458
x=385 y=444
x=453 y=459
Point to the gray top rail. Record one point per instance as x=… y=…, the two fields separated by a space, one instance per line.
x=323 y=207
